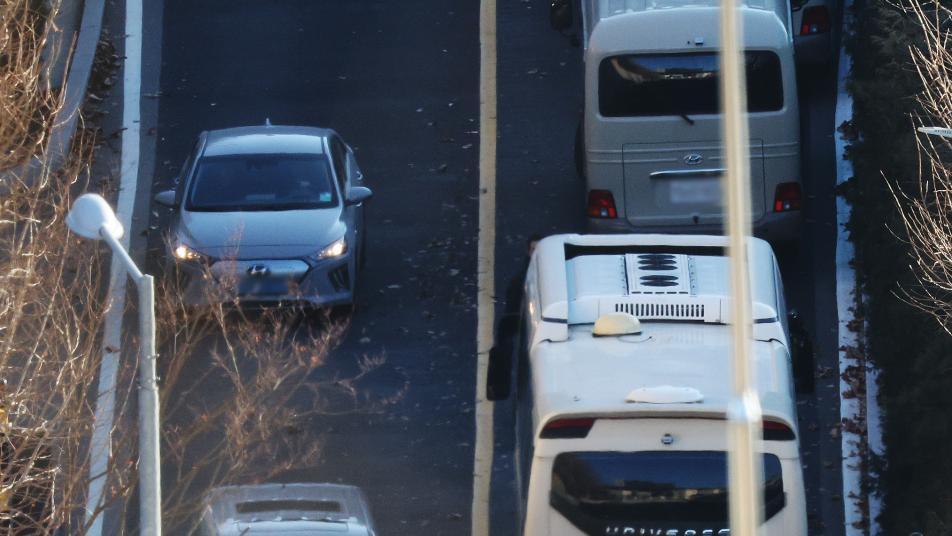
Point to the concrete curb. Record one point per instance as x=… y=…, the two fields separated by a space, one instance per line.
x=77 y=79
x=859 y=510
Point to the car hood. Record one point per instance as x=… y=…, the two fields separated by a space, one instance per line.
x=248 y=235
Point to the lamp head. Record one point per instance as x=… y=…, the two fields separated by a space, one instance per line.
x=91 y=215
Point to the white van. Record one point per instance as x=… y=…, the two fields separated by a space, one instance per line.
x=650 y=141
x=621 y=427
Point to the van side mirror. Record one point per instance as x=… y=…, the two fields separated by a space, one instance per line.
x=498 y=374
x=560 y=15
x=801 y=354
x=165 y=198
x=358 y=194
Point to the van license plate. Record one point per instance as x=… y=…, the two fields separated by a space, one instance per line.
x=696 y=191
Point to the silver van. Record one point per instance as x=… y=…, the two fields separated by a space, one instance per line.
x=650 y=145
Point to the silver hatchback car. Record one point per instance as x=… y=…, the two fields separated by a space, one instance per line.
x=268 y=214
x=276 y=509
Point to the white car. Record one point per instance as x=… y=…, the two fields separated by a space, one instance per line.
x=287 y=509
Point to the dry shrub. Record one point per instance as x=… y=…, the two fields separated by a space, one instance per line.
x=236 y=386
x=926 y=213
x=28 y=102
x=50 y=316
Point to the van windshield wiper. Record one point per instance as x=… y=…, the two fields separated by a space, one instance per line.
x=686 y=118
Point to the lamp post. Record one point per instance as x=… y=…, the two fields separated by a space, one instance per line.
x=92 y=217
x=744 y=465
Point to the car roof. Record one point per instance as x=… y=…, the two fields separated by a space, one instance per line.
x=265 y=139
x=593 y=375
x=611 y=8
x=351 y=507
x=574 y=279
x=663 y=29
x=677 y=286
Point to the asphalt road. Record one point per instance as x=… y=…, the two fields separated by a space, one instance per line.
x=540 y=99
x=399 y=81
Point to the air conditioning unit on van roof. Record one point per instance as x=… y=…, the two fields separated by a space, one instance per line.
x=678 y=281
x=650 y=286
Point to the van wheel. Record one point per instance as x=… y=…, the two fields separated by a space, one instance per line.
x=580 y=152
x=801 y=352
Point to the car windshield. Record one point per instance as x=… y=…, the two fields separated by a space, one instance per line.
x=600 y=492
x=261 y=182
x=682 y=84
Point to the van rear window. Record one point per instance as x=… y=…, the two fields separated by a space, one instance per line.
x=682 y=84
x=640 y=492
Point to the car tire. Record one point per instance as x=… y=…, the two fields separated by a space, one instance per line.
x=362 y=258
x=580 y=151
x=346 y=310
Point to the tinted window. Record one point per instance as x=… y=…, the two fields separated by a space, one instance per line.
x=261 y=182
x=299 y=505
x=676 y=84
x=611 y=492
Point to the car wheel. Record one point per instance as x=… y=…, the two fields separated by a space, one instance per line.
x=801 y=353
x=580 y=151
x=362 y=259
x=346 y=310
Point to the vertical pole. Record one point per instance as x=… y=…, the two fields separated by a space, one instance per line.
x=150 y=481
x=744 y=466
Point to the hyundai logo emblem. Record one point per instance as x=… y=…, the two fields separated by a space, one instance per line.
x=259 y=270
x=693 y=159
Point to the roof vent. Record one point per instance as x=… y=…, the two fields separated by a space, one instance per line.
x=664 y=394
x=658 y=273
x=612 y=324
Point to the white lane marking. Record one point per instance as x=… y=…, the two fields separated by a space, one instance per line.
x=485 y=266
x=101 y=442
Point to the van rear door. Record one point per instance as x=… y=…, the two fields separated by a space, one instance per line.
x=657 y=476
x=664 y=109
x=678 y=183
x=652 y=492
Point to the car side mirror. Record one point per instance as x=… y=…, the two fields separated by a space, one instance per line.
x=358 y=194
x=560 y=15
x=165 y=198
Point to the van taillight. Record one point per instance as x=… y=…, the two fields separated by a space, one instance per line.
x=601 y=204
x=787 y=197
x=777 y=431
x=815 y=20
x=567 y=429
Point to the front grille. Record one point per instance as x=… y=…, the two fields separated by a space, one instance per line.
x=340 y=278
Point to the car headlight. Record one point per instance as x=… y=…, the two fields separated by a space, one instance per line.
x=182 y=252
x=335 y=249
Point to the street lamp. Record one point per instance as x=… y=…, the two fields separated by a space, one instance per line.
x=92 y=217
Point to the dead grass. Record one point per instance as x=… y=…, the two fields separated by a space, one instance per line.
x=237 y=389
